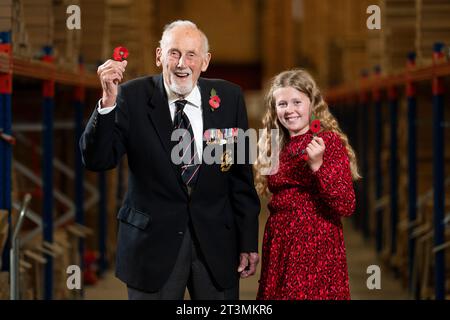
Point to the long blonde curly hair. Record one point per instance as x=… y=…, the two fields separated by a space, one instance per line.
x=303 y=82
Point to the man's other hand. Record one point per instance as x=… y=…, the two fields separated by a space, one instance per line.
x=248 y=263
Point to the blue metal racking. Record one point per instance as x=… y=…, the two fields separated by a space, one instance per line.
x=435 y=75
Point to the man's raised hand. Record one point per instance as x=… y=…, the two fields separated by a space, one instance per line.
x=110 y=74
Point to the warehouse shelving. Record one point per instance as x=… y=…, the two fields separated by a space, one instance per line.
x=49 y=74
x=372 y=93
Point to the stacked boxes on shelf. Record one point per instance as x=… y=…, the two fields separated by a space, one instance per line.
x=94 y=33
x=135 y=34
x=432 y=25
x=6 y=15
x=66 y=40
x=33 y=28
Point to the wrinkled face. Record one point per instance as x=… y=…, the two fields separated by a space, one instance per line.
x=293 y=110
x=182 y=56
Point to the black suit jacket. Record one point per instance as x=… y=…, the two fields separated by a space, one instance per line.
x=223 y=207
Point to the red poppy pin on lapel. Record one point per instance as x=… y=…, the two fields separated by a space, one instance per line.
x=214 y=100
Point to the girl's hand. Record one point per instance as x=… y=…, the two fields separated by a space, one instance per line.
x=315 y=150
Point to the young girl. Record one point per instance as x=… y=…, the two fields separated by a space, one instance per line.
x=303 y=254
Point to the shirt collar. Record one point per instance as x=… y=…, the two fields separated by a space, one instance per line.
x=194 y=98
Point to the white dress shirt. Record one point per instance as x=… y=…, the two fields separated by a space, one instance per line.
x=192 y=109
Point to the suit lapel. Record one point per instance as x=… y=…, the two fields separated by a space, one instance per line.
x=159 y=114
x=208 y=123
x=206 y=109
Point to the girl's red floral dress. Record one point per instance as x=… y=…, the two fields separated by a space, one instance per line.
x=303 y=255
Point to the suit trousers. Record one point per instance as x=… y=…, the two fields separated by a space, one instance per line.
x=190 y=271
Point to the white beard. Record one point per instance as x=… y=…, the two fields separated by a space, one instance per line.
x=181 y=90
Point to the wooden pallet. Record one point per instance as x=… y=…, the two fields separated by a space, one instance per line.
x=4 y=285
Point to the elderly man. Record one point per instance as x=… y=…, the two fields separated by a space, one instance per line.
x=189 y=224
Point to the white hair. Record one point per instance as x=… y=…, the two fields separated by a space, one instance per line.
x=183 y=23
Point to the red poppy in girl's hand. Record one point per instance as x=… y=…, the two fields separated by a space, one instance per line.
x=315 y=126
x=120 y=53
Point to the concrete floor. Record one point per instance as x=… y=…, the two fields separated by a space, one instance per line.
x=360 y=255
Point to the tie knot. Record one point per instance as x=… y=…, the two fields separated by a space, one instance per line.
x=180 y=104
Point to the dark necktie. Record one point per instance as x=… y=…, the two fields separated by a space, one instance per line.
x=189 y=170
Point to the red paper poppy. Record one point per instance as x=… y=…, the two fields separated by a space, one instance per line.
x=305 y=156
x=315 y=126
x=214 y=102
x=120 y=53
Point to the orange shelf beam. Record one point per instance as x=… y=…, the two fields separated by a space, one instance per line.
x=45 y=71
x=366 y=85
